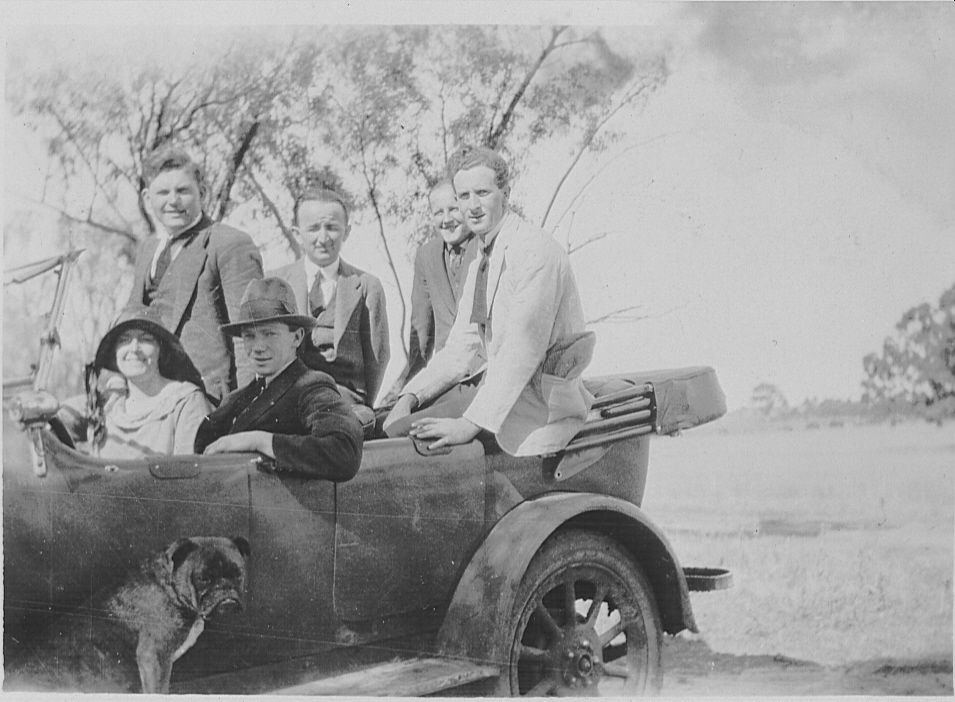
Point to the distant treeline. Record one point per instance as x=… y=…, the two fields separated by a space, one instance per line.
x=913 y=377
x=769 y=405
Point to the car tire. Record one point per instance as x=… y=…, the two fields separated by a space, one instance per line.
x=613 y=648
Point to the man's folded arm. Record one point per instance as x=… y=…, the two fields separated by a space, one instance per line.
x=333 y=447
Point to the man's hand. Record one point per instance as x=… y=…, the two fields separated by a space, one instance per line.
x=448 y=432
x=405 y=405
x=260 y=441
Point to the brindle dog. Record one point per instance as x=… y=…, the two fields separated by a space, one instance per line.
x=138 y=630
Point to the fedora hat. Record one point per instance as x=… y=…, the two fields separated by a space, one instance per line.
x=268 y=300
x=174 y=362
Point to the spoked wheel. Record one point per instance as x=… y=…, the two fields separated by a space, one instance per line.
x=585 y=623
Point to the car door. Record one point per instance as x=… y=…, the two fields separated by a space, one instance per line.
x=88 y=522
x=290 y=581
x=406 y=527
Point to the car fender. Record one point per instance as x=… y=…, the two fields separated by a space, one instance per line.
x=485 y=594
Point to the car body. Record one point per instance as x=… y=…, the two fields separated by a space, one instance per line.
x=421 y=553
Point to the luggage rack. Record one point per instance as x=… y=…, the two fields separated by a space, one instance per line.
x=619 y=415
x=622 y=414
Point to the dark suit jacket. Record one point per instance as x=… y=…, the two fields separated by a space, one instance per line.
x=201 y=290
x=314 y=430
x=362 y=349
x=434 y=302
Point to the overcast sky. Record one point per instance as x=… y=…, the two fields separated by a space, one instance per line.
x=792 y=197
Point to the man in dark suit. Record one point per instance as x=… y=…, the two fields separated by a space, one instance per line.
x=290 y=413
x=193 y=272
x=350 y=338
x=440 y=268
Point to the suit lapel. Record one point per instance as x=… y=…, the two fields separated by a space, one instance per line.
x=232 y=405
x=144 y=263
x=183 y=273
x=347 y=296
x=497 y=262
x=438 y=273
x=264 y=402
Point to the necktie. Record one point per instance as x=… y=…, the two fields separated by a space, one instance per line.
x=165 y=258
x=316 y=301
x=479 y=310
x=259 y=387
x=455 y=256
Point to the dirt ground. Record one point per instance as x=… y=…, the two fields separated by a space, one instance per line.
x=692 y=669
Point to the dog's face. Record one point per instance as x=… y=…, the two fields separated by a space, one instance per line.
x=209 y=572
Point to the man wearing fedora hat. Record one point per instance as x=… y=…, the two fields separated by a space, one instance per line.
x=290 y=413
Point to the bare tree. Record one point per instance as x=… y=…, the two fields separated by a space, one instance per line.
x=372 y=111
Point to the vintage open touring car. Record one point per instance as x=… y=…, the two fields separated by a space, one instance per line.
x=426 y=571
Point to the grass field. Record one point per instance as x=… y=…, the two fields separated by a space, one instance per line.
x=840 y=539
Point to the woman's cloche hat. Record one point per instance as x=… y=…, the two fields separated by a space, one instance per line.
x=174 y=362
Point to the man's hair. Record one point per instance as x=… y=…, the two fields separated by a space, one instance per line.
x=318 y=195
x=170 y=158
x=444 y=182
x=473 y=156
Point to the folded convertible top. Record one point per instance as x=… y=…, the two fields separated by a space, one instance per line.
x=680 y=398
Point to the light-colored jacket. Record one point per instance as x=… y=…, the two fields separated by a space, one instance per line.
x=168 y=425
x=532 y=396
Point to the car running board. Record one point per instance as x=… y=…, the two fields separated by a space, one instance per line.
x=413 y=677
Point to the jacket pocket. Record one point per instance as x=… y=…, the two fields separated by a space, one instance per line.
x=563 y=398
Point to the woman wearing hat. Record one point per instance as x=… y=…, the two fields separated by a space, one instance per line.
x=160 y=408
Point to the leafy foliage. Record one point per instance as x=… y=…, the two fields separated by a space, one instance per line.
x=373 y=111
x=917 y=364
x=769 y=400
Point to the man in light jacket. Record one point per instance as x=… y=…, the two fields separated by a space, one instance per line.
x=520 y=318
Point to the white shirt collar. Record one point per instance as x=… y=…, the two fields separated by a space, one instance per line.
x=492 y=235
x=329 y=272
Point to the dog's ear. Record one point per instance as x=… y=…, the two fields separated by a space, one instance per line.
x=179 y=550
x=244 y=548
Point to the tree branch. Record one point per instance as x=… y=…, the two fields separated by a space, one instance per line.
x=604 y=167
x=444 y=128
x=618 y=316
x=270 y=204
x=585 y=145
x=238 y=155
x=596 y=237
x=623 y=315
x=508 y=115
x=74 y=143
x=88 y=221
x=370 y=184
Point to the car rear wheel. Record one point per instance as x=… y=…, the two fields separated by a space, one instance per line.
x=585 y=622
